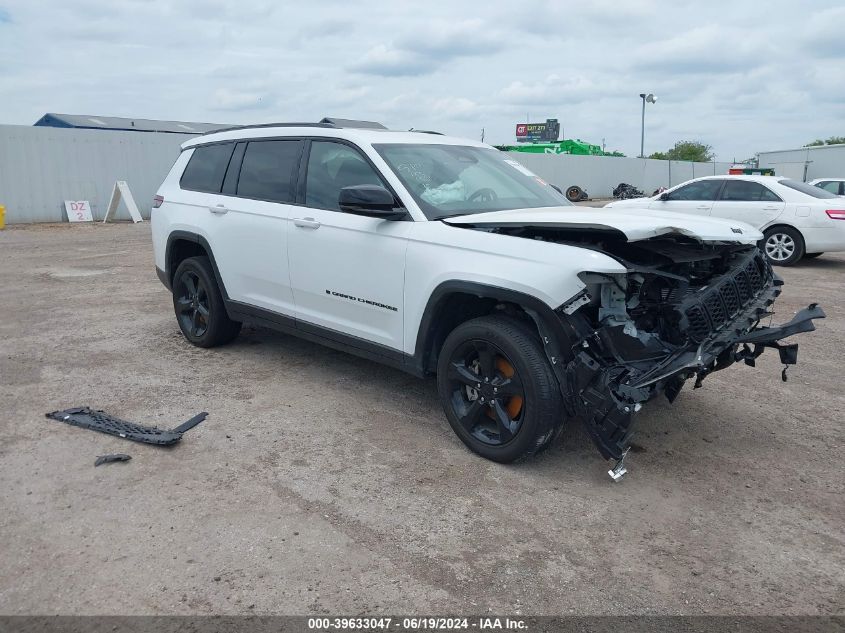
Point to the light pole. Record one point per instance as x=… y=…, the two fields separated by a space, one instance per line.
x=650 y=98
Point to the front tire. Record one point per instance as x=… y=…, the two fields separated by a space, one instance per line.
x=198 y=304
x=498 y=390
x=783 y=246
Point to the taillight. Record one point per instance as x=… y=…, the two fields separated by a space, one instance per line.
x=157 y=201
x=836 y=214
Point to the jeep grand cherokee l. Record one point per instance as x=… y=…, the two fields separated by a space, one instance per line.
x=445 y=256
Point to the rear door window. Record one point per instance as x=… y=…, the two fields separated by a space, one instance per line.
x=701 y=190
x=207 y=167
x=748 y=191
x=269 y=169
x=830 y=185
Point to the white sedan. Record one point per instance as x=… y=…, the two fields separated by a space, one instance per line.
x=797 y=219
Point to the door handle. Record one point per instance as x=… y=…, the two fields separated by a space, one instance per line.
x=218 y=210
x=703 y=206
x=770 y=208
x=306 y=223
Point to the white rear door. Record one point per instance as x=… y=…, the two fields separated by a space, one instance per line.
x=249 y=223
x=748 y=201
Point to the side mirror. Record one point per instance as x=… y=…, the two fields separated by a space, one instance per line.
x=370 y=200
x=556 y=188
x=664 y=196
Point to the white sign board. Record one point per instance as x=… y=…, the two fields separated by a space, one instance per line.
x=121 y=191
x=78 y=211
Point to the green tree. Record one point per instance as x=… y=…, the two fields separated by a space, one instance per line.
x=687 y=150
x=833 y=140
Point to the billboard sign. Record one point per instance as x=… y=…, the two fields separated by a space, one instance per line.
x=538 y=132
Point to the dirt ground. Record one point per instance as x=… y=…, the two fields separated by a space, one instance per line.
x=322 y=483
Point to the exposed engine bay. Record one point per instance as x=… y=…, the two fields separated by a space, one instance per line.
x=683 y=310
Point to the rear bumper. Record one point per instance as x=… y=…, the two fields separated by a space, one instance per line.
x=825 y=240
x=162 y=277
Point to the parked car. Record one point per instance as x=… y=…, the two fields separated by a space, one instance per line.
x=444 y=256
x=833 y=185
x=797 y=219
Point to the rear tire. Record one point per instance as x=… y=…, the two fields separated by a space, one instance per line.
x=198 y=304
x=498 y=390
x=783 y=246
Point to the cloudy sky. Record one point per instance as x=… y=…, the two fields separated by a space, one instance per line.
x=740 y=76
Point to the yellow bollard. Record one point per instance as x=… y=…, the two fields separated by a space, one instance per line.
x=2 y=217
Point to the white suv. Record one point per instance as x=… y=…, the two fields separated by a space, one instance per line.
x=445 y=256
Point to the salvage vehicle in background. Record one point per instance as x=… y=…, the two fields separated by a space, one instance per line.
x=797 y=219
x=444 y=256
x=835 y=186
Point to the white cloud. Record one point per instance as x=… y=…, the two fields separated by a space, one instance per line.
x=737 y=76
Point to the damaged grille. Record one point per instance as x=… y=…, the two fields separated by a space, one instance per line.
x=723 y=300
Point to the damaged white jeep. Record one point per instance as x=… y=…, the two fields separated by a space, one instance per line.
x=444 y=256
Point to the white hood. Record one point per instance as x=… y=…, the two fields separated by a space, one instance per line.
x=641 y=225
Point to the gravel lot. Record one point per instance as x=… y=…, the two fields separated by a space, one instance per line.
x=322 y=483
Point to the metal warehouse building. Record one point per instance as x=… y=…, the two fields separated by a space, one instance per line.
x=806 y=163
x=92 y=122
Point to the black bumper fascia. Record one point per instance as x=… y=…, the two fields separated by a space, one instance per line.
x=163 y=278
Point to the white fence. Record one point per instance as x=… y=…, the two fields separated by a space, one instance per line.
x=41 y=167
x=599 y=175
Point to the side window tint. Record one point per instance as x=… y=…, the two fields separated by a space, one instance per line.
x=331 y=167
x=267 y=170
x=832 y=187
x=701 y=190
x=747 y=191
x=207 y=167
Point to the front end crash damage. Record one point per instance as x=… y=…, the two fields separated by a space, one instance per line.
x=683 y=310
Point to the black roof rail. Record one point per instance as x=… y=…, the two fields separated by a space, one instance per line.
x=325 y=122
x=426 y=132
x=262 y=125
x=354 y=123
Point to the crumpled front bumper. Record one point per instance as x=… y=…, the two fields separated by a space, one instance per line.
x=606 y=395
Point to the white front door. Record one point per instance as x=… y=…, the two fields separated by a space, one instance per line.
x=347 y=271
x=695 y=198
x=748 y=201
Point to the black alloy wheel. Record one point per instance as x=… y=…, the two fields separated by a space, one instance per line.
x=198 y=304
x=191 y=301
x=498 y=389
x=486 y=393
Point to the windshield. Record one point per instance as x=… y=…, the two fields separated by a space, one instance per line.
x=451 y=180
x=810 y=190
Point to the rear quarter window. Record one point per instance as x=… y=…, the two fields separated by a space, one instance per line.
x=207 y=168
x=810 y=190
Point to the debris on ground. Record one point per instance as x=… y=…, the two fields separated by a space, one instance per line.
x=104 y=423
x=114 y=457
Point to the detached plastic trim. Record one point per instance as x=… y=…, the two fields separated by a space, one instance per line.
x=102 y=422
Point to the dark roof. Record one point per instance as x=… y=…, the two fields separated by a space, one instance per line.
x=94 y=122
